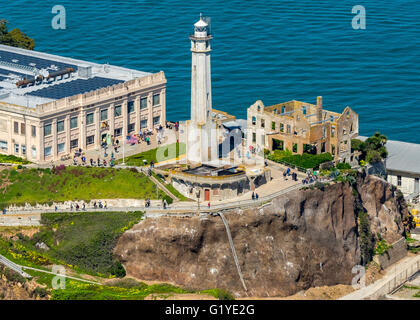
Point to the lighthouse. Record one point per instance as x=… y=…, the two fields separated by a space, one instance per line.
x=201 y=130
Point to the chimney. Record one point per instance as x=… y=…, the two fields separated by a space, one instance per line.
x=319 y=108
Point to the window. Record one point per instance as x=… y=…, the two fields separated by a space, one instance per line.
x=16 y=148
x=47 y=130
x=104 y=114
x=288 y=128
x=33 y=152
x=332 y=132
x=130 y=127
x=33 y=131
x=117 y=111
x=283 y=109
x=130 y=106
x=143 y=124
x=143 y=103
x=89 y=118
x=22 y=128
x=273 y=125
x=254 y=137
x=304 y=109
x=3 y=145
x=73 y=123
x=333 y=149
x=117 y=132
x=399 y=181
x=90 y=140
x=262 y=139
x=74 y=143
x=60 y=126
x=60 y=147
x=156 y=120
x=16 y=127
x=156 y=99
x=324 y=132
x=254 y=121
x=23 y=147
x=47 y=151
x=262 y=123
x=295 y=147
x=281 y=127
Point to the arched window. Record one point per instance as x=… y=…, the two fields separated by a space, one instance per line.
x=283 y=109
x=254 y=121
x=304 y=109
x=232 y=143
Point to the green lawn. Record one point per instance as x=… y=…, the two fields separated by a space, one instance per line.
x=73 y=183
x=156 y=155
x=303 y=161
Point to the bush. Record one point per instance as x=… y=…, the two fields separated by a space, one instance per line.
x=307 y=161
x=343 y=166
x=39 y=292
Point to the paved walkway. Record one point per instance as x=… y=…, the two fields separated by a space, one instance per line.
x=395 y=275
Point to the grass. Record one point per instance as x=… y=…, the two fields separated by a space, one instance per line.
x=12 y=159
x=82 y=291
x=73 y=183
x=156 y=155
x=304 y=161
x=171 y=188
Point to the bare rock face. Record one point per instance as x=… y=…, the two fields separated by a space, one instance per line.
x=304 y=239
x=387 y=210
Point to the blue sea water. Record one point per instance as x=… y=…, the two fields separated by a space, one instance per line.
x=270 y=50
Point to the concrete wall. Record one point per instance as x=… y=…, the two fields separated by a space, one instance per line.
x=396 y=253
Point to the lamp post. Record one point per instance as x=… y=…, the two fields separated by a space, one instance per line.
x=197 y=193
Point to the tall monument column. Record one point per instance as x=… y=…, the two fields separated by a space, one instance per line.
x=201 y=145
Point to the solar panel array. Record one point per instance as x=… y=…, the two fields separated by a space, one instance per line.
x=74 y=87
x=4 y=72
x=30 y=61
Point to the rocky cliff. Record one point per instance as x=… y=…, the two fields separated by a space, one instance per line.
x=300 y=240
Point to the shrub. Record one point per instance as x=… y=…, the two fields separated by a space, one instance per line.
x=307 y=161
x=39 y=292
x=343 y=166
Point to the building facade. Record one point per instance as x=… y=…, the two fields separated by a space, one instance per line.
x=302 y=127
x=47 y=114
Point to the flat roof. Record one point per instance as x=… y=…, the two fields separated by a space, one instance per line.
x=78 y=76
x=402 y=156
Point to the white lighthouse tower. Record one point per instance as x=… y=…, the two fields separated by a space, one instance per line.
x=201 y=131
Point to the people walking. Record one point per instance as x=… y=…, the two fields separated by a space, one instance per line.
x=256 y=196
x=253 y=195
x=208 y=204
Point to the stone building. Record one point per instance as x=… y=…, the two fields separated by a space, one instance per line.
x=52 y=105
x=302 y=127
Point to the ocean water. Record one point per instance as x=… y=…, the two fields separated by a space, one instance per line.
x=274 y=51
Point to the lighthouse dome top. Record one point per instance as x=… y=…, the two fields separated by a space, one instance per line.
x=201 y=23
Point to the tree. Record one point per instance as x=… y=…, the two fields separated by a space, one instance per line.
x=15 y=37
x=373 y=150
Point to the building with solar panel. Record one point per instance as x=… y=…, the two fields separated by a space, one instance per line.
x=51 y=106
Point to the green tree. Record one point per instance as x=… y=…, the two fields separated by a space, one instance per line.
x=15 y=37
x=373 y=150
